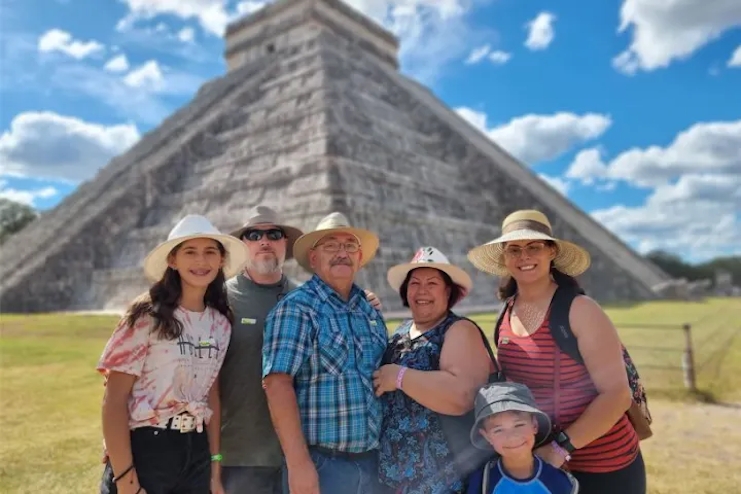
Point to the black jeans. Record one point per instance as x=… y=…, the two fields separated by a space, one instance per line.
x=167 y=462
x=629 y=480
x=252 y=480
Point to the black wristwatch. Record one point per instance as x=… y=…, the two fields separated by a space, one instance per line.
x=563 y=440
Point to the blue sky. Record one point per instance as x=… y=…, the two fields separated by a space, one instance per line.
x=632 y=108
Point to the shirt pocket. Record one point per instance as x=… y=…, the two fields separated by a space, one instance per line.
x=333 y=349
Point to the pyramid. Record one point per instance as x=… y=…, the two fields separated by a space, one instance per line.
x=312 y=116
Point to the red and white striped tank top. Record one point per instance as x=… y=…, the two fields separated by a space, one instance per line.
x=535 y=361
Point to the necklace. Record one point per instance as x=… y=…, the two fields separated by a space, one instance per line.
x=530 y=315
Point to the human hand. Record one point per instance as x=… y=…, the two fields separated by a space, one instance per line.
x=550 y=455
x=384 y=379
x=373 y=300
x=303 y=478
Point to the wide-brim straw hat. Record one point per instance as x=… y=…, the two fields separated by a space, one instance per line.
x=190 y=227
x=529 y=224
x=429 y=257
x=263 y=215
x=330 y=224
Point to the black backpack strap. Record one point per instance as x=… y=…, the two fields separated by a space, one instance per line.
x=493 y=358
x=500 y=318
x=558 y=322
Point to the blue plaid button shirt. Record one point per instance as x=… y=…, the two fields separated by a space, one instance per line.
x=331 y=348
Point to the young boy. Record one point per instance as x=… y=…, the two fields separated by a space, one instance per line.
x=508 y=420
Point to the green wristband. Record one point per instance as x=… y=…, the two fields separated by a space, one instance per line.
x=217 y=457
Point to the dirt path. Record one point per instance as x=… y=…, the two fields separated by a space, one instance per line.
x=696 y=448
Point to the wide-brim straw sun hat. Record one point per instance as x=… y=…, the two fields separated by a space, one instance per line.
x=429 y=257
x=190 y=227
x=331 y=224
x=529 y=224
x=263 y=215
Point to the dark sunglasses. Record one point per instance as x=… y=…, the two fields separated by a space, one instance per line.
x=272 y=234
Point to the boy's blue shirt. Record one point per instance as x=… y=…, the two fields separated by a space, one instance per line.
x=547 y=479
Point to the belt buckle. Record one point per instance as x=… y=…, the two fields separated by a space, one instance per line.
x=183 y=421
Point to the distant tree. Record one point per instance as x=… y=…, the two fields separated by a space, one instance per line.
x=14 y=216
x=675 y=267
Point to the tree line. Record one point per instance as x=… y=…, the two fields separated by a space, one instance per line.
x=15 y=216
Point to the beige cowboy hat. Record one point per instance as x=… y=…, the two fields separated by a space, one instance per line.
x=190 y=227
x=429 y=257
x=334 y=223
x=263 y=215
x=528 y=225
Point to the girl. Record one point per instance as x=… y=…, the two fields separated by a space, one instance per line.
x=161 y=366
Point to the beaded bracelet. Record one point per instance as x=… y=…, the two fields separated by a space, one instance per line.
x=561 y=451
x=400 y=376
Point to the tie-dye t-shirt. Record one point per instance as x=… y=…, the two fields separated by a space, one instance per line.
x=173 y=376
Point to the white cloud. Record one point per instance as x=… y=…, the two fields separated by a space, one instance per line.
x=248 y=7
x=211 y=14
x=186 y=35
x=478 y=54
x=540 y=31
x=664 y=31
x=587 y=166
x=61 y=41
x=48 y=145
x=497 y=57
x=696 y=217
x=735 y=60
x=28 y=196
x=557 y=183
x=536 y=138
x=147 y=76
x=706 y=147
x=119 y=63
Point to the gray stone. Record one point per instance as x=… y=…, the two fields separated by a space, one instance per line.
x=312 y=116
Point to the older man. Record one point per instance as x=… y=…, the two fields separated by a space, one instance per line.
x=251 y=453
x=323 y=342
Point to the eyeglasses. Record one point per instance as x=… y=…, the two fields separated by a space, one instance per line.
x=272 y=234
x=332 y=246
x=532 y=250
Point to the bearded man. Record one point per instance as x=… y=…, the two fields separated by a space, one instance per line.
x=251 y=455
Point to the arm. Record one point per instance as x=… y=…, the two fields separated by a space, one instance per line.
x=115 y=415
x=600 y=346
x=214 y=431
x=286 y=419
x=122 y=363
x=286 y=347
x=464 y=368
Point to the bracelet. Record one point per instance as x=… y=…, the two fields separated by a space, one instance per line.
x=400 y=376
x=561 y=451
x=217 y=457
x=123 y=474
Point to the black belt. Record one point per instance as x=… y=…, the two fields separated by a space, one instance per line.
x=336 y=453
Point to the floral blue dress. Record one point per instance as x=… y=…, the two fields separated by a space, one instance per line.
x=415 y=457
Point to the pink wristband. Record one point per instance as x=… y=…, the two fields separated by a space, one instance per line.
x=561 y=451
x=400 y=376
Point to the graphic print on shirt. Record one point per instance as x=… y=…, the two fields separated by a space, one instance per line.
x=173 y=375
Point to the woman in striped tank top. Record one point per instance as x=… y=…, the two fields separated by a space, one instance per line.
x=587 y=403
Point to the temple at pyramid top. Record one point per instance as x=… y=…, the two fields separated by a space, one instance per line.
x=276 y=29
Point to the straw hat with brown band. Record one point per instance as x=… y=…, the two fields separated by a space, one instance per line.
x=528 y=225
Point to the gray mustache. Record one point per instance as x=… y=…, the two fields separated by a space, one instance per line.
x=345 y=262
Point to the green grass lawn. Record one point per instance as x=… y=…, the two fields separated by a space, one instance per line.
x=50 y=396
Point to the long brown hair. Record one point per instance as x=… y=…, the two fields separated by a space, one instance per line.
x=163 y=298
x=508 y=285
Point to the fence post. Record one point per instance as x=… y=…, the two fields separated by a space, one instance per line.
x=688 y=360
